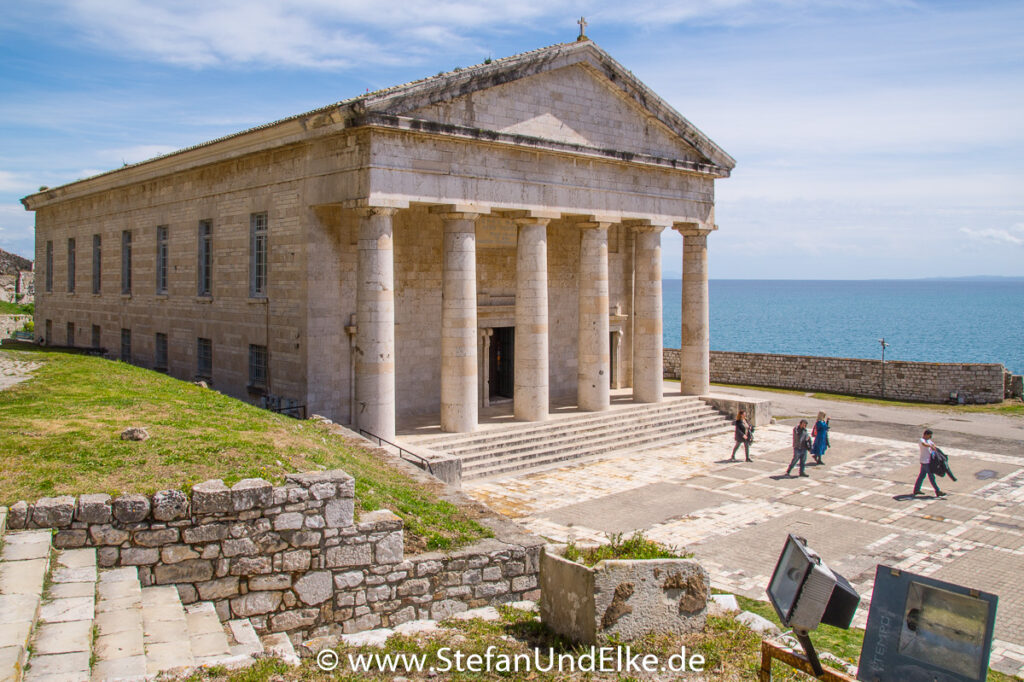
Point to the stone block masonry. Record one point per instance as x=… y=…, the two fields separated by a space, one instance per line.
x=929 y=382
x=289 y=558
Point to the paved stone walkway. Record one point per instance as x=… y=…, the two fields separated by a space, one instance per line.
x=855 y=511
x=14 y=371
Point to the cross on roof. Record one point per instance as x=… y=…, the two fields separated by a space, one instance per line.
x=583 y=25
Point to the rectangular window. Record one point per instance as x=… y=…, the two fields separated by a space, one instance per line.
x=161 y=259
x=204 y=271
x=204 y=359
x=49 y=270
x=71 y=333
x=95 y=336
x=160 y=353
x=257 y=366
x=126 y=262
x=96 y=264
x=71 y=266
x=49 y=333
x=126 y=345
x=258 y=255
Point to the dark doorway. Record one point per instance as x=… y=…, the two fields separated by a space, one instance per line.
x=501 y=362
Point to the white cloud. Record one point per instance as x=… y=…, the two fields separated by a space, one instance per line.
x=13 y=182
x=1013 y=236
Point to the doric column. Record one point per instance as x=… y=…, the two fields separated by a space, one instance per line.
x=530 y=397
x=694 y=348
x=375 y=323
x=647 y=336
x=458 y=324
x=593 y=353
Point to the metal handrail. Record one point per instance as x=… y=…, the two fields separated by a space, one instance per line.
x=401 y=451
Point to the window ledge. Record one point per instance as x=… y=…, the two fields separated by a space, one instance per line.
x=204 y=299
x=161 y=297
x=258 y=300
x=126 y=297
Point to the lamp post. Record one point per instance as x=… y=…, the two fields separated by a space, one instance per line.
x=884 y=346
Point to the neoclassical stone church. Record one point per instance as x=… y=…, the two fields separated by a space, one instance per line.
x=488 y=234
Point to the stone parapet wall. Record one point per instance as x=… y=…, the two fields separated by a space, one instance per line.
x=290 y=558
x=931 y=382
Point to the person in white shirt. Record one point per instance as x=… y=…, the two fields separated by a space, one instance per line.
x=927 y=448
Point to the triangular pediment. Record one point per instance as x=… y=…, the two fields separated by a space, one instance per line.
x=570 y=94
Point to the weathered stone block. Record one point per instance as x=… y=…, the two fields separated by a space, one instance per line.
x=255 y=603
x=390 y=549
x=211 y=497
x=413 y=587
x=302 y=538
x=94 y=508
x=221 y=588
x=251 y=565
x=131 y=508
x=244 y=546
x=250 y=493
x=188 y=571
x=291 y=620
x=169 y=505
x=338 y=512
x=348 y=555
x=65 y=539
x=314 y=588
x=429 y=567
x=53 y=512
x=173 y=554
x=155 y=538
x=274 y=581
x=288 y=521
x=348 y=580
x=18 y=515
x=136 y=556
x=187 y=593
x=208 y=532
x=322 y=491
x=295 y=560
x=107 y=556
x=381 y=520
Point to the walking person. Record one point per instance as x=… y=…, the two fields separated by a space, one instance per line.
x=801 y=444
x=927 y=452
x=744 y=435
x=820 y=435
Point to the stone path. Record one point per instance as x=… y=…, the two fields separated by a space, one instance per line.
x=14 y=371
x=856 y=511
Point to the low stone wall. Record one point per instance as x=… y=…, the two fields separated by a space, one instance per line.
x=289 y=558
x=12 y=323
x=931 y=382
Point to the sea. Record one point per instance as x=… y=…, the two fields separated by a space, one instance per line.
x=921 y=320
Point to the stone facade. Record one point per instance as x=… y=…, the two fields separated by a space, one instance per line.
x=290 y=558
x=17 y=281
x=929 y=382
x=413 y=236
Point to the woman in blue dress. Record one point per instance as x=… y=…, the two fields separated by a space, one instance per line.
x=820 y=434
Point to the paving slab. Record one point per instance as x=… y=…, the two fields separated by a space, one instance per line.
x=130 y=668
x=63 y=610
x=124 y=644
x=62 y=638
x=22 y=577
x=33 y=546
x=73 y=667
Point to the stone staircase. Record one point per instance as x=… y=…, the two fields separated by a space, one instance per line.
x=62 y=619
x=516 y=447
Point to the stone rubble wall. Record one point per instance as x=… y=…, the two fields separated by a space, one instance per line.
x=930 y=382
x=289 y=558
x=12 y=323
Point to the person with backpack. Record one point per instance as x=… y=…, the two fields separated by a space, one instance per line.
x=801 y=444
x=927 y=451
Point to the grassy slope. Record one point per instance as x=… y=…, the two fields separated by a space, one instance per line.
x=60 y=433
x=8 y=308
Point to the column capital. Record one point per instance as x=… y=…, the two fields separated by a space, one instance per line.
x=694 y=229
x=643 y=225
x=371 y=211
x=531 y=220
x=594 y=224
x=460 y=211
x=538 y=213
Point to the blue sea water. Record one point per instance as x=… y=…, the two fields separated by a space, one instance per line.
x=923 y=320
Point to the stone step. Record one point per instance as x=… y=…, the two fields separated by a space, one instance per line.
x=612 y=423
x=596 y=439
x=501 y=468
x=118 y=649
x=165 y=631
x=206 y=634
x=576 y=420
x=243 y=639
x=62 y=641
x=24 y=564
x=279 y=646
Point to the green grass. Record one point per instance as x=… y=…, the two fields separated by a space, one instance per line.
x=8 y=308
x=1013 y=407
x=60 y=434
x=635 y=547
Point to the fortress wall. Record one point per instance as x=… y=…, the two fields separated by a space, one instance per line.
x=930 y=382
x=290 y=558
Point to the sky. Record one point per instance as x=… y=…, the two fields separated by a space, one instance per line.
x=873 y=138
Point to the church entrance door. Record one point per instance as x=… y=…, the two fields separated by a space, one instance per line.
x=501 y=362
